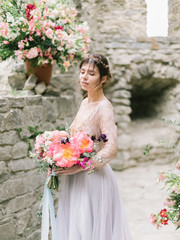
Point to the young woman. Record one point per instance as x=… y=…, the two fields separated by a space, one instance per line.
x=90 y=207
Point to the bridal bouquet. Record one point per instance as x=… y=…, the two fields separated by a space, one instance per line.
x=42 y=31
x=55 y=149
x=172 y=211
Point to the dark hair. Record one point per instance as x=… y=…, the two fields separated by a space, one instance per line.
x=101 y=63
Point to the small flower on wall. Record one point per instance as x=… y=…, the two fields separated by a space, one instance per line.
x=44 y=31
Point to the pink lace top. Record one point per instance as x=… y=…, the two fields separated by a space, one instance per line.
x=97 y=118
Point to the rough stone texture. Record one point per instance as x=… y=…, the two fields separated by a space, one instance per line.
x=145 y=88
x=30 y=82
x=174 y=13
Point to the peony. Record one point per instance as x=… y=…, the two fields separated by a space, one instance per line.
x=65 y=155
x=83 y=142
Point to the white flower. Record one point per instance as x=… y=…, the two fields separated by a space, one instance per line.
x=50 y=161
x=48 y=135
x=9 y=17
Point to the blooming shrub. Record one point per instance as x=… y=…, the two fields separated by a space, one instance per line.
x=42 y=31
x=172 y=211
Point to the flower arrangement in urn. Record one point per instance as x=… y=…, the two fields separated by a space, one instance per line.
x=43 y=32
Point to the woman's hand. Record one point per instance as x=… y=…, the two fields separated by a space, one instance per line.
x=68 y=171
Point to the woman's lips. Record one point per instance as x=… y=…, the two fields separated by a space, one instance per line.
x=84 y=83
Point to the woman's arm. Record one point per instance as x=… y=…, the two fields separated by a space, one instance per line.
x=108 y=127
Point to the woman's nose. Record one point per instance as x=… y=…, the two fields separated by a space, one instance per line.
x=85 y=76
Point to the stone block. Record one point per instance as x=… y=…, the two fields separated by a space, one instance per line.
x=16 y=102
x=12 y=188
x=50 y=110
x=9 y=138
x=35 y=235
x=32 y=115
x=20 y=150
x=33 y=100
x=19 y=67
x=10 y=120
x=8 y=229
x=122 y=118
x=52 y=91
x=4 y=106
x=123 y=110
x=23 y=219
x=40 y=88
x=17 y=80
x=19 y=203
x=30 y=82
x=121 y=94
x=5 y=153
x=121 y=101
x=22 y=165
x=3 y=169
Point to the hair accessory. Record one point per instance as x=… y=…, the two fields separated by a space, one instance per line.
x=98 y=61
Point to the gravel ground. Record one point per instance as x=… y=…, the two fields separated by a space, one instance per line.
x=142 y=196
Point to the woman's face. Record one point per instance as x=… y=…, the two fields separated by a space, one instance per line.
x=89 y=77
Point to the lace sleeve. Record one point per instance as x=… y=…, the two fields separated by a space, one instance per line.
x=108 y=127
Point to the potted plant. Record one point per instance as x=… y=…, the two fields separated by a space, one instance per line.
x=42 y=33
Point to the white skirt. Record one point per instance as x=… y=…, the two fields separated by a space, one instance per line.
x=90 y=207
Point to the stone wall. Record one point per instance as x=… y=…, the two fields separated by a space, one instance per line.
x=174 y=13
x=21 y=184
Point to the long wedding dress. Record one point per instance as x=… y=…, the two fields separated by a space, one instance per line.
x=90 y=207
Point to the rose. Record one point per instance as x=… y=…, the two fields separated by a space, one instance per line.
x=33 y=53
x=163 y=213
x=29 y=8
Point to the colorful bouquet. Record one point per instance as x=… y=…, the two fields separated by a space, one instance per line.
x=172 y=211
x=55 y=149
x=43 y=31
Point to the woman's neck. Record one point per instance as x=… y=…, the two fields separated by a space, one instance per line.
x=95 y=96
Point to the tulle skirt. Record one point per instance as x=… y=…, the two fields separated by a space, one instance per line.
x=90 y=207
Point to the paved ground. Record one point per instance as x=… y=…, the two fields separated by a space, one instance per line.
x=141 y=196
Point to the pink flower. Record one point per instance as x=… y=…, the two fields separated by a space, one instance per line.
x=57 y=135
x=178 y=165
x=33 y=53
x=49 y=33
x=6 y=42
x=153 y=219
x=21 y=44
x=82 y=142
x=66 y=64
x=174 y=189
x=32 y=26
x=161 y=177
x=65 y=155
x=4 y=28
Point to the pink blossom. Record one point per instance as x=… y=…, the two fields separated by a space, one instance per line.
x=31 y=39
x=66 y=64
x=4 y=28
x=174 y=189
x=21 y=44
x=161 y=177
x=33 y=53
x=32 y=26
x=38 y=32
x=65 y=155
x=49 y=33
x=178 y=165
x=6 y=42
x=82 y=142
x=153 y=219
x=57 y=135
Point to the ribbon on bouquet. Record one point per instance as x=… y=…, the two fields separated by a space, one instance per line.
x=48 y=213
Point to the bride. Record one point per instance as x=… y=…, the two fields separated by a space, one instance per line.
x=89 y=206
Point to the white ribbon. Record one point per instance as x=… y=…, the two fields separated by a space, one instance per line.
x=48 y=212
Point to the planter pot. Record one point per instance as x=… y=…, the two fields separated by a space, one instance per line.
x=43 y=73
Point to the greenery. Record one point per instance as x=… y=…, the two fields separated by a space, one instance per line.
x=42 y=31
